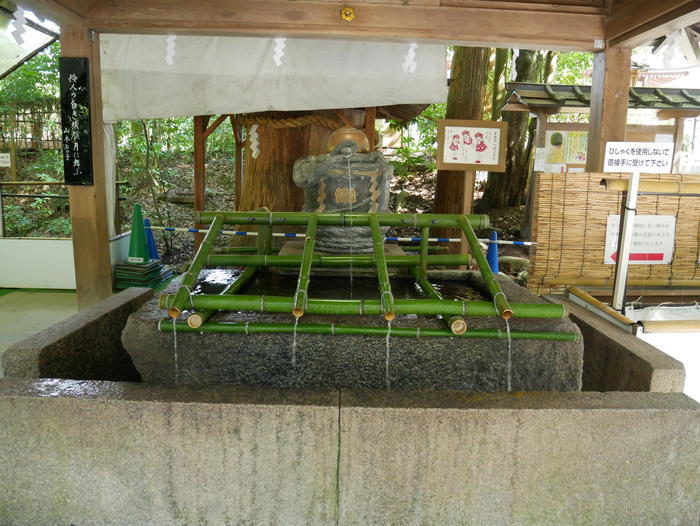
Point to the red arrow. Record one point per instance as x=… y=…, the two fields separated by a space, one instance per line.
x=641 y=256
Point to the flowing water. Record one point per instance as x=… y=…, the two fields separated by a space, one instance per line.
x=294 y=343
x=386 y=367
x=510 y=356
x=175 y=348
x=351 y=244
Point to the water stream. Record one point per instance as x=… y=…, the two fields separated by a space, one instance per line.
x=510 y=356
x=294 y=343
x=175 y=348
x=386 y=367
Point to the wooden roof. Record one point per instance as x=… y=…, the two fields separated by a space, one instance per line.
x=529 y=24
x=550 y=98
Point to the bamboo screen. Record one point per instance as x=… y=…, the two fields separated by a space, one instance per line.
x=570 y=214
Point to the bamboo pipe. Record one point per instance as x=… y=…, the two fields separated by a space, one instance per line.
x=668 y=326
x=255 y=303
x=188 y=280
x=221 y=260
x=663 y=187
x=386 y=297
x=197 y=318
x=342 y=219
x=455 y=323
x=409 y=332
x=599 y=305
x=604 y=282
x=499 y=298
x=305 y=270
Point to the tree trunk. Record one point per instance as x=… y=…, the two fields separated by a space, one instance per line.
x=464 y=101
x=268 y=180
x=508 y=189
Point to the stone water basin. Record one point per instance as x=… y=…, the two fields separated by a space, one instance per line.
x=335 y=361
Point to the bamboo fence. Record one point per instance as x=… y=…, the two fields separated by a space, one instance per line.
x=570 y=213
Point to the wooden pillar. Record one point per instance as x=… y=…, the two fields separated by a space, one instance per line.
x=200 y=126
x=370 y=118
x=679 y=122
x=88 y=204
x=609 y=99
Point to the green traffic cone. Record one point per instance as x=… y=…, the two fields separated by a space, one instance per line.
x=138 y=247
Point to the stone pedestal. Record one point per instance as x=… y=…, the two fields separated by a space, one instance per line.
x=327 y=361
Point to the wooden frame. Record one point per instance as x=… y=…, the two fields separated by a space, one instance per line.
x=469 y=130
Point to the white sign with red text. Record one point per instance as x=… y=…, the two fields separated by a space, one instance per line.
x=653 y=239
x=639 y=157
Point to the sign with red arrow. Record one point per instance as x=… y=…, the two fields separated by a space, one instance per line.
x=653 y=240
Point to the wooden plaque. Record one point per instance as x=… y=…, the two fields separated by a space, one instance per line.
x=75 y=120
x=471 y=145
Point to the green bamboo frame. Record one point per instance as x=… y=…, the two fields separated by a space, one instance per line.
x=494 y=288
x=453 y=312
x=342 y=219
x=365 y=307
x=386 y=296
x=326 y=328
x=184 y=293
x=317 y=260
x=200 y=316
x=301 y=295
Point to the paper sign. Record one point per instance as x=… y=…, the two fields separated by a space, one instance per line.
x=539 y=159
x=641 y=157
x=5 y=161
x=653 y=239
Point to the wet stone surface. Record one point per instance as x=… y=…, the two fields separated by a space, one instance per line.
x=328 y=361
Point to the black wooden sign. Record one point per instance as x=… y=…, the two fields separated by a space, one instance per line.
x=75 y=120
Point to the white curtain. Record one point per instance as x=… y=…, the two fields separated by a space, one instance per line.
x=155 y=76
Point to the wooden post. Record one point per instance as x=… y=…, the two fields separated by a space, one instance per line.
x=609 y=100
x=88 y=204
x=679 y=122
x=370 y=117
x=238 y=167
x=467 y=203
x=200 y=126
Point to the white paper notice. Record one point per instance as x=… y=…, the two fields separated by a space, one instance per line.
x=5 y=160
x=640 y=157
x=539 y=159
x=653 y=239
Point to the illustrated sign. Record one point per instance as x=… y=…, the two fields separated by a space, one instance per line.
x=5 y=160
x=653 y=239
x=639 y=157
x=471 y=145
x=565 y=147
x=75 y=121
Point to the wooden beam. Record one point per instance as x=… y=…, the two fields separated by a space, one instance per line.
x=609 y=96
x=481 y=26
x=88 y=204
x=200 y=125
x=65 y=12
x=344 y=118
x=633 y=23
x=215 y=125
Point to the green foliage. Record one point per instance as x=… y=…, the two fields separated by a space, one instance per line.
x=417 y=155
x=34 y=84
x=573 y=67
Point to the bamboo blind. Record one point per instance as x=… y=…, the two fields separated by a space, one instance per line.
x=570 y=215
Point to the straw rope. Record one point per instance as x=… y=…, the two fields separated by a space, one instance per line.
x=570 y=220
x=289 y=122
